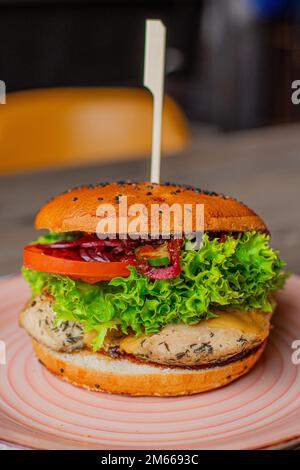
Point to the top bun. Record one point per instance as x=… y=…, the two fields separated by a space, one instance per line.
x=75 y=210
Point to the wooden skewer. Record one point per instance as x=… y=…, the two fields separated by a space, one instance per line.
x=154 y=71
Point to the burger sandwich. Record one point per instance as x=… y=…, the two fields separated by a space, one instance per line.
x=149 y=315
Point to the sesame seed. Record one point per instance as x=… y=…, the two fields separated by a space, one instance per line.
x=100 y=198
x=149 y=193
x=75 y=198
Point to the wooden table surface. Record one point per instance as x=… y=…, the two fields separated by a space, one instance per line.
x=259 y=167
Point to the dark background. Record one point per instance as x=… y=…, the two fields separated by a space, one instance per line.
x=230 y=63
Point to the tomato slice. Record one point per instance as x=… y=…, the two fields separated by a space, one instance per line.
x=88 y=271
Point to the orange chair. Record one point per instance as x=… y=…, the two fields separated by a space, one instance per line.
x=67 y=126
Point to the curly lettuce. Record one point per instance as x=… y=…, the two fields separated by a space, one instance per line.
x=239 y=273
x=53 y=237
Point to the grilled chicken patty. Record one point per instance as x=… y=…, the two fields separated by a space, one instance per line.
x=38 y=321
x=209 y=341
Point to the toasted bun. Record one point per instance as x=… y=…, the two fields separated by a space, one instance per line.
x=76 y=209
x=95 y=371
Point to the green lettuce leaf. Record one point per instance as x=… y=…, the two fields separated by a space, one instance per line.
x=53 y=237
x=239 y=273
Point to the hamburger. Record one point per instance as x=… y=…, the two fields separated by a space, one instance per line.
x=142 y=315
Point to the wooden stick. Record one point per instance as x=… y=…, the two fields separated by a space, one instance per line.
x=154 y=71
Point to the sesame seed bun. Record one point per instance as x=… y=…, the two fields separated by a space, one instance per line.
x=98 y=372
x=76 y=209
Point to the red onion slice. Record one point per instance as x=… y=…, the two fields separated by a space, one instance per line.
x=59 y=245
x=84 y=255
x=99 y=257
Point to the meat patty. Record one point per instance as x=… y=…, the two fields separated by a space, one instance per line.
x=38 y=321
x=209 y=341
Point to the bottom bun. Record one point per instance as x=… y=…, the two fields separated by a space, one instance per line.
x=98 y=372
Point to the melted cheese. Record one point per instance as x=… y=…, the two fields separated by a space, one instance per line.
x=111 y=339
x=129 y=344
x=89 y=336
x=247 y=322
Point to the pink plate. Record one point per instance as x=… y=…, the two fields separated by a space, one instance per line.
x=37 y=410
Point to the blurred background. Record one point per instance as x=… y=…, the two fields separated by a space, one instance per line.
x=76 y=112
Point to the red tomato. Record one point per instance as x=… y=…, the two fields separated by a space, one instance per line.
x=91 y=272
